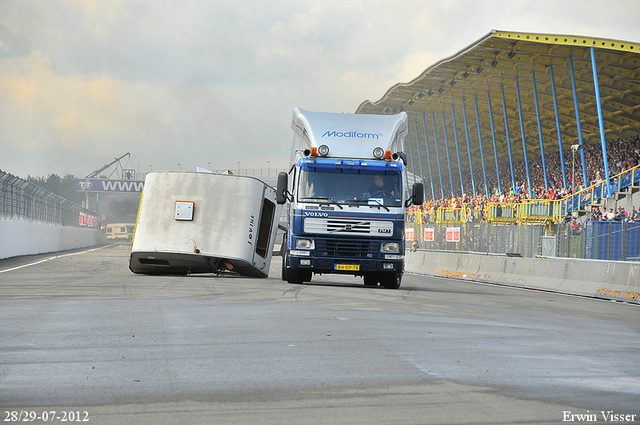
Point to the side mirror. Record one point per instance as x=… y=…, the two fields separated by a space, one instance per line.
x=403 y=157
x=417 y=194
x=281 y=190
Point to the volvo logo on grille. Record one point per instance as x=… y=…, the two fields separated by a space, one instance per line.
x=316 y=214
x=347 y=228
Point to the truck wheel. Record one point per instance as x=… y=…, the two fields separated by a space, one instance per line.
x=293 y=276
x=370 y=280
x=296 y=276
x=391 y=281
x=285 y=257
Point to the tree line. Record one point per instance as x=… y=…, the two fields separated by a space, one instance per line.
x=61 y=186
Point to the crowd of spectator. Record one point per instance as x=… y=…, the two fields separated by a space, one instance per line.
x=620 y=215
x=621 y=156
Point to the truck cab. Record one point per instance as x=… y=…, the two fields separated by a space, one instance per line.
x=347 y=196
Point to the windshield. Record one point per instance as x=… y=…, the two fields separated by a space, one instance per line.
x=365 y=187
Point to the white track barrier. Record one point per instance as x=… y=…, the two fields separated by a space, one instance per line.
x=615 y=280
x=27 y=238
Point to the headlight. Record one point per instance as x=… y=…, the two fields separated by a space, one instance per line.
x=378 y=153
x=305 y=244
x=323 y=150
x=390 y=247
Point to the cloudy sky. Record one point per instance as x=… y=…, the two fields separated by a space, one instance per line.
x=213 y=83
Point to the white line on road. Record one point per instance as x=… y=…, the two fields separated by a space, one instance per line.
x=53 y=258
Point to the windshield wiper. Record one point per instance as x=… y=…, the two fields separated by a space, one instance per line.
x=323 y=198
x=374 y=200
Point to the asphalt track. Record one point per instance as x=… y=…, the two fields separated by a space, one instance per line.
x=80 y=333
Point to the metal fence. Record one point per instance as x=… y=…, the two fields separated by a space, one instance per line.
x=484 y=237
x=597 y=240
x=24 y=201
x=602 y=240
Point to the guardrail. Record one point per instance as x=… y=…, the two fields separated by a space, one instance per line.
x=452 y=215
x=253 y=172
x=22 y=200
x=595 y=192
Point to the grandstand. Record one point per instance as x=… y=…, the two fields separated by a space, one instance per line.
x=524 y=128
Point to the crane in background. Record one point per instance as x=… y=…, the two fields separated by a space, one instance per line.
x=98 y=171
x=120 y=207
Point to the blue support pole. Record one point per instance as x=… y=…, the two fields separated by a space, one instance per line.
x=506 y=129
x=435 y=136
x=596 y=88
x=426 y=144
x=524 y=141
x=484 y=172
x=535 y=97
x=466 y=133
x=575 y=104
x=555 y=106
x=493 y=135
x=419 y=156
x=446 y=145
x=455 y=134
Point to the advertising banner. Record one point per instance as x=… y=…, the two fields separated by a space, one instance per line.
x=453 y=234
x=87 y=220
x=429 y=234
x=409 y=234
x=100 y=185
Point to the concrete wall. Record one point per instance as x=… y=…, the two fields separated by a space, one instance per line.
x=617 y=280
x=27 y=238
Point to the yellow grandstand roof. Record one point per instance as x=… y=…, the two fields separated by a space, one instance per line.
x=492 y=65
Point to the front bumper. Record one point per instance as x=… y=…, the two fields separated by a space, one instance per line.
x=347 y=265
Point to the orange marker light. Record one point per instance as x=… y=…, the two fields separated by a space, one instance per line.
x=387 y=155
x=314 y=152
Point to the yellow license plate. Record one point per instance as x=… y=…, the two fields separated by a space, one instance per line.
x=348 y=267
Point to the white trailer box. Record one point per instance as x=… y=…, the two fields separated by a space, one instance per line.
x=203 y=223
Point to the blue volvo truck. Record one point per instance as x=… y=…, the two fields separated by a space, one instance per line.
x=346 y=193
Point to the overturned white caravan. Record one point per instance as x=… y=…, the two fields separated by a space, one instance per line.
x=204 y=223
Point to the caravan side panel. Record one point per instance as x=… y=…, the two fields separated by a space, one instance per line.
x=197 y=222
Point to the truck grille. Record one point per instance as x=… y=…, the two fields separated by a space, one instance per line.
x=347 y=248
x=348 y=227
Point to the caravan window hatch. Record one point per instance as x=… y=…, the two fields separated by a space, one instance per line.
x=183 y=210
